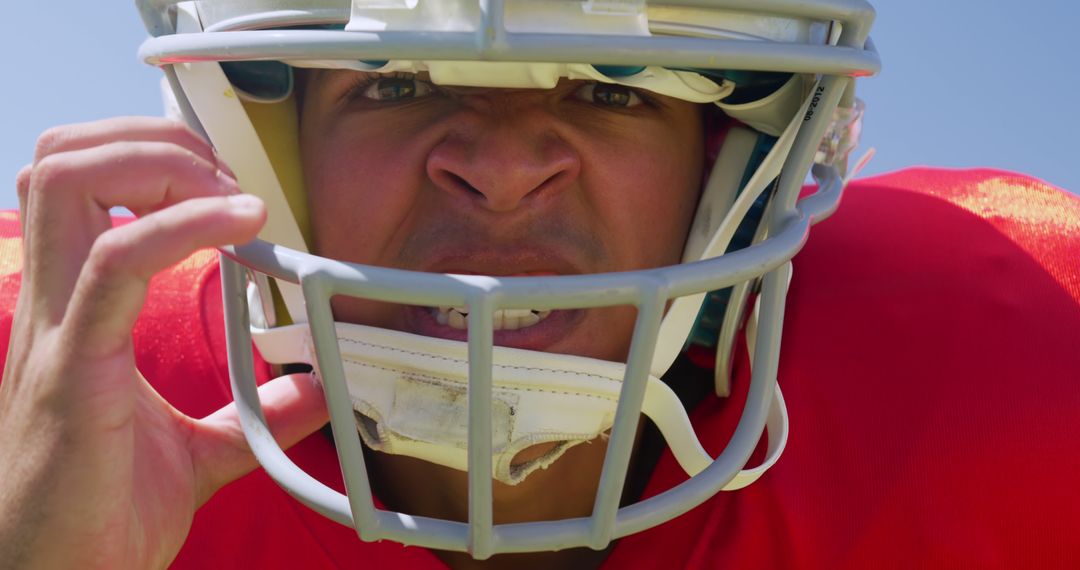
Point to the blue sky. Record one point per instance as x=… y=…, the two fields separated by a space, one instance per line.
x=966 y=82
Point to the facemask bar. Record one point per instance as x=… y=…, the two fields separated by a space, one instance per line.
x=648 y=290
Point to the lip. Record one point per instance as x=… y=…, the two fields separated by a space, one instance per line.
x=518 y=262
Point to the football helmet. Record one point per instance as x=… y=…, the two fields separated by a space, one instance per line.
x=782 y=70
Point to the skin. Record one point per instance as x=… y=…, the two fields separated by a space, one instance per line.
x=105 y=463
x=502 y=182
x=100 y=471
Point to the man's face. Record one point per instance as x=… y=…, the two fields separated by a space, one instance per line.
x=583 y=178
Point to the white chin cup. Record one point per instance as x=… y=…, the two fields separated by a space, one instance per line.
x=409 y=394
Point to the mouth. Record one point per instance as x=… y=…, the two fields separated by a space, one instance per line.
x=541 y=330
x=502 y=319
x=526 y=328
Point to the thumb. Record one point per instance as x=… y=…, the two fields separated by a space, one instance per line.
x=294 y=406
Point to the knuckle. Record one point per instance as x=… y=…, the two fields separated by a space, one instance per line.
x=109 y=254
x=53 y=138
x=49 y=172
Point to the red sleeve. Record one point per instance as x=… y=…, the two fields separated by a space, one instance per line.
x=10 y=274
x=932 y=375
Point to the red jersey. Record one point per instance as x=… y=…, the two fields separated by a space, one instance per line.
x=930 y=364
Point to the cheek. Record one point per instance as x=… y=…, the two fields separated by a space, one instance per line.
x=649 y=198
x=359 y=198
x=360 y=194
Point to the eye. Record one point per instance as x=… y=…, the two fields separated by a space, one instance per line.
x=395 y=88
x=608 y=95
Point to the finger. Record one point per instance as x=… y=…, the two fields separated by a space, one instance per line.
x=138 y=175
x=80 y=136
x=295 y=408
x=111 y=287
x=22 y=190
x=71 y=193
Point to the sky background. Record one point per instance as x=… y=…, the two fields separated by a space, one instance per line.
x=965 y=82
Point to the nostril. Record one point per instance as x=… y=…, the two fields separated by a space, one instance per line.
x=500 y=172
x=464 y=184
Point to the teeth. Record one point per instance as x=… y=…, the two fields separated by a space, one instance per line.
x=503 y=319
x=457 y=320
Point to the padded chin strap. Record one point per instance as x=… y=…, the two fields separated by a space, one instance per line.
x=408 y=392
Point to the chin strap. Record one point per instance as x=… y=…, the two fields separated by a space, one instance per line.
x=409 y=396
x=683 y=313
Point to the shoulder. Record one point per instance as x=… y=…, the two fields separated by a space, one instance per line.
x=955 y=262
x=942 y=308
x=932 y=214
x=955 y=210
x=930 y=365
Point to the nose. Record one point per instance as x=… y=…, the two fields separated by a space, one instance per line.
x=502 y=150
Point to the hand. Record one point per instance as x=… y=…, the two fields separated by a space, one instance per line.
x=99 y=470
